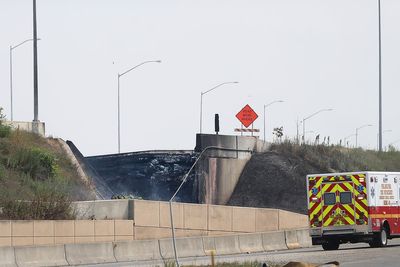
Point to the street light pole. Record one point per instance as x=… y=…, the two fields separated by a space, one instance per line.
x=357 y=129
x=380 y=77
x=11 y=74
x=201 y=101
x=119 y=109
x=11 y=84
x=35 y=68
x=312 y=115
x=265 y=106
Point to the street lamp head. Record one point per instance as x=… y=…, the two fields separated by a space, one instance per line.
x=235 y=82
x=158 y=61
x=363 y=126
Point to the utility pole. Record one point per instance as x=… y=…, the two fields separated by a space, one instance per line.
x=35 y=73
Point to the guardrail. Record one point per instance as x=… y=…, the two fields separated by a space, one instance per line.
x=152 y=250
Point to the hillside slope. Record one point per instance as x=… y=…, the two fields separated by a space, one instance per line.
x=37 y=179
x=276 y=179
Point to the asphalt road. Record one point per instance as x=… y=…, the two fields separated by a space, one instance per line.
x=352 y=255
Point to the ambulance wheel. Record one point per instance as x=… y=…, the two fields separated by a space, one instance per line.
x=331 y=245
x=380 y=240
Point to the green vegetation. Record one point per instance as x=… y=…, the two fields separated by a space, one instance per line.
x=336 y=158
x=5 y=130
x=37 y=180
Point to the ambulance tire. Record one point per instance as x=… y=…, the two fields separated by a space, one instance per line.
x=331 y=244
x=380 y=240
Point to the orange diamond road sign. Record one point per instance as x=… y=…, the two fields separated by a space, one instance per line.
x=247 y=116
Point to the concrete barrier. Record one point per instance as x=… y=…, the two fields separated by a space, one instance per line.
x=208 y=244
x=226 y=245
x=251 y=243
x=274 y=241
x=304 y=239
x=89 y=253
x=291 y=239
x=40 y=256
x=185 y=247
x=7 y=257
x=138 y=250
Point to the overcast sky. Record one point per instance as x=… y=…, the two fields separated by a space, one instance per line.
x=312 y=54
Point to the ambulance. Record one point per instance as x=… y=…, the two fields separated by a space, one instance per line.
x=353 y=207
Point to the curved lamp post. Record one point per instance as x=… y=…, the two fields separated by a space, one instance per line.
x=201 y=101
x=11 y=73
x=312 y=115
x=359 y=128
x=119 y=110
x=267 y=105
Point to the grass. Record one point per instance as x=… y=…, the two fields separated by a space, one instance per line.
x=335 y=158
x=37 y=180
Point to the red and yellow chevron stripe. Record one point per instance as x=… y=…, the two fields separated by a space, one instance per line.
x=355 y=212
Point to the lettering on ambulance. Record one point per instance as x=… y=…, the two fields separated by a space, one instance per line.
x=384 y=188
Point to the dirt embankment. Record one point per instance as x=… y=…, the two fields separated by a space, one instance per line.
x=273 y=180
x=277 y=179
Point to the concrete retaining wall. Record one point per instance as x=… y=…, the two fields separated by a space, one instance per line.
x=252 y=143
x=152 y=221
x=28 y=126
x=149 y=250
x=28 y=233
x=118 y=209
x=220 y=170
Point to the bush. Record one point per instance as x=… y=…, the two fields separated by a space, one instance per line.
x=47 y=200
x=35 y=162
x=2 y=171
x=5 y=131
